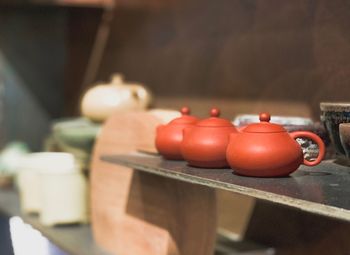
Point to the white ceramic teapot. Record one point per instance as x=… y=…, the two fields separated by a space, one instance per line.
x=102 y=100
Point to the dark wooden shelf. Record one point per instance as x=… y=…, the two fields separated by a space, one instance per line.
x=73 y=239
x=77 y=3
x=323 y=190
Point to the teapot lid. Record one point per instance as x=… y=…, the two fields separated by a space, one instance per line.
x=264 y=126
x=186 y=118
x=214 y=120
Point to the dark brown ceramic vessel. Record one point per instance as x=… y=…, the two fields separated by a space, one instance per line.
x=333 y=114
x=344 y=134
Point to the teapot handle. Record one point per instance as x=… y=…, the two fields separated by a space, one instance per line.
x=143 y=95
x=317 y=140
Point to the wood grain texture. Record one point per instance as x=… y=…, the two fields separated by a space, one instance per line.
x=73 y=3
x=138 y=213
x=110 y=189
x=289 y=224
x=296 y=51
x=234 y=213
x=186 y=214
x=293 y=232
x=82 y=26
x=252 y=50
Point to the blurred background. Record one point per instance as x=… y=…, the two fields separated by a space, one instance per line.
x=241 y=51
x=244 y=56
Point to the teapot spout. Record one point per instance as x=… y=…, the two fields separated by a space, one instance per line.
x=234 y=134
x=159 y=128
x=240 y=129
x=186 y=130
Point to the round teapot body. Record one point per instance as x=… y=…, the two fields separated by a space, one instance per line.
x=206 y=146
x=102 y=100
x=168 y=141
x=264 y=154
x=169 y=137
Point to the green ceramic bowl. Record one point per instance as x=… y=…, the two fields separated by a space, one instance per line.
x=78 y=133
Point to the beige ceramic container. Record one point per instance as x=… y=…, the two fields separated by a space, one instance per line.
x=28 y=184
x=63 y=197
x=102 y=100
x=51 y=185
x=28 y=177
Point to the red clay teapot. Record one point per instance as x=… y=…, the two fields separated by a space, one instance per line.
x=169 y=137
x=204 y=144
x=265 y=149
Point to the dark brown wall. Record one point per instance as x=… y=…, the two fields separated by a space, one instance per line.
x=234 y=49
x=44 y=52
x=251 y=49
x=32 y=60
x=82 y=24
x=32 y=39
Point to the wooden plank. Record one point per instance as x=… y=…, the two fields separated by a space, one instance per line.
x=322 y=190
x=74 y=239
x=77 y=3
x=110 y=190
x=167 y=217
x=85 y=3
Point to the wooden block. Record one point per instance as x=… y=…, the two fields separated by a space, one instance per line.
x=170 y=217
x=110 y=185
x=138 y=213
x=234 y=212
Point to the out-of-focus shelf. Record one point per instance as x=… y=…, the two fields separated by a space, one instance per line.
x=323 y=190
x=77 y=3
x=73 y=239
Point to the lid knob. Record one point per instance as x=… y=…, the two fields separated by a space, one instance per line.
x=185 y=110
x=264 y=117
x=215 y=112
x=117 y=78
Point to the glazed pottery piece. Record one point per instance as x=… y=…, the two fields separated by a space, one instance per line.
x=245 y=119
x=169 y=137
x=76 y=136
x=265 y=149
x=204 y=144
x=102 y=100
x=332 y=114
x=76 y=132
x=10 y=156
x=344 y=134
